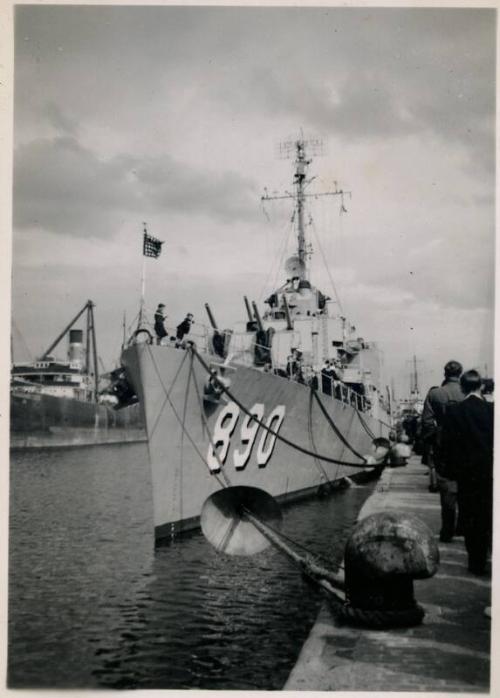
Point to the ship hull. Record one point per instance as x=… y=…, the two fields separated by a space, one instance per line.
x=46 y=421
x=183 y=428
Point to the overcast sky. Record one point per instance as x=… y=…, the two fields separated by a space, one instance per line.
x=173 y=115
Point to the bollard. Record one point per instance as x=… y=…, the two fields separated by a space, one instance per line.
x=383 y=556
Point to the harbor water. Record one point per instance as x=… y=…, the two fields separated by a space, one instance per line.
x=93 y=604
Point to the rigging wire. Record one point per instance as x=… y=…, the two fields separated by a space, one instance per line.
x=166 y=394
x=183 y=427
x=337 y=298
x=285 y=237
x=19 y=337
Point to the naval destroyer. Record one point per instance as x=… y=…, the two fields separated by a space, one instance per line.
x=286 y=402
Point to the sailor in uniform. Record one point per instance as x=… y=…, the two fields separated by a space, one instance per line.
x=160 y=317
x=183 y=329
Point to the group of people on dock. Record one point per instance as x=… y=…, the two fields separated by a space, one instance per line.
x=457 y=430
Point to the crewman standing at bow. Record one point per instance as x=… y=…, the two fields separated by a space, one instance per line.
x=160 y=317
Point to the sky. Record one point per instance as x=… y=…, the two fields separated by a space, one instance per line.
x=174 y=116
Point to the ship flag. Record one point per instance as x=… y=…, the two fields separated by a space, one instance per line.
x=151 y=247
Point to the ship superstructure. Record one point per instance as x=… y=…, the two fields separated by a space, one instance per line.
x=301 y=317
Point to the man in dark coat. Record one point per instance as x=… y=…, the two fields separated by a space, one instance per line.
x=467 y=451
x=160 y=323
x=435 y=406
x=184 y=328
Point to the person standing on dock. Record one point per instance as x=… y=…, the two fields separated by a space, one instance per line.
x=435 y=406
x=160 y=317
x=488 y=389
x=467 y=451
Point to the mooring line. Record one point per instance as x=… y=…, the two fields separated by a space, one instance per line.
x=205 y=423
x=317 y=462
x=296 y=446
x=334 y=426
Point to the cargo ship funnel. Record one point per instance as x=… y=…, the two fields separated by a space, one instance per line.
x=75 y=350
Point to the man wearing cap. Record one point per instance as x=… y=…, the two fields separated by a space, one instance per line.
x=160 y=316
x=436 y=403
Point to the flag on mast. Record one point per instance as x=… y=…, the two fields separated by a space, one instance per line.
x=151 y=247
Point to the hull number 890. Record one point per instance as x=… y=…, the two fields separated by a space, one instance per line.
x=225 y=427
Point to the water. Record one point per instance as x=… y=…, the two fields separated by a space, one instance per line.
x=92 y=604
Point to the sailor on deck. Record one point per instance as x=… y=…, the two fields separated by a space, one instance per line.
x=160 y=317
x=214 y=387
x=329 y=377
x=183 y=329
x=293 y=364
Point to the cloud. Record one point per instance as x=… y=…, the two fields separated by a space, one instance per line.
x=366 y=74
x=169 y=185
x=60 y=120
x=170 y=114
x=63 y=187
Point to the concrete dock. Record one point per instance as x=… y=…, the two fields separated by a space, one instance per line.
x=449 y=651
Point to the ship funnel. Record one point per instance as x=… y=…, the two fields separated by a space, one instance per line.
x=75 y=351
x=225 y=519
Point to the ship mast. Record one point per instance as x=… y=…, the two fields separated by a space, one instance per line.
x=300 y=176
x=299 y=147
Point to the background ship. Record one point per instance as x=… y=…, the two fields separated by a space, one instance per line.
x=285 y=403
x=64 y=402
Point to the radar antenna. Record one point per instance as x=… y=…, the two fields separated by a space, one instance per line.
x=313 y=146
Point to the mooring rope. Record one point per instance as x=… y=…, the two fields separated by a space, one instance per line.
x=373 y=618
x=315 y=555
x=334 y=427
x=317 y=462
x=296 y=446
x=207 y=428
x=365 y=425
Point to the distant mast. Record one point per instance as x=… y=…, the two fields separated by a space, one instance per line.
x=286 y=149
x=414 y=389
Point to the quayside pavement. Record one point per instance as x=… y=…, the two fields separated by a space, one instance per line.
x=449 y=651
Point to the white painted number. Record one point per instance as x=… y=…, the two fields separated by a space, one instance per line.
x=225 y=426
x=249 y=430
x=274 y=422
x=222 y=433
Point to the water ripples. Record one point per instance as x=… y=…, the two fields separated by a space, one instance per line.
x=91 y=603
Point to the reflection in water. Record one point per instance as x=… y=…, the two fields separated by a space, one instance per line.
x=92 y=604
